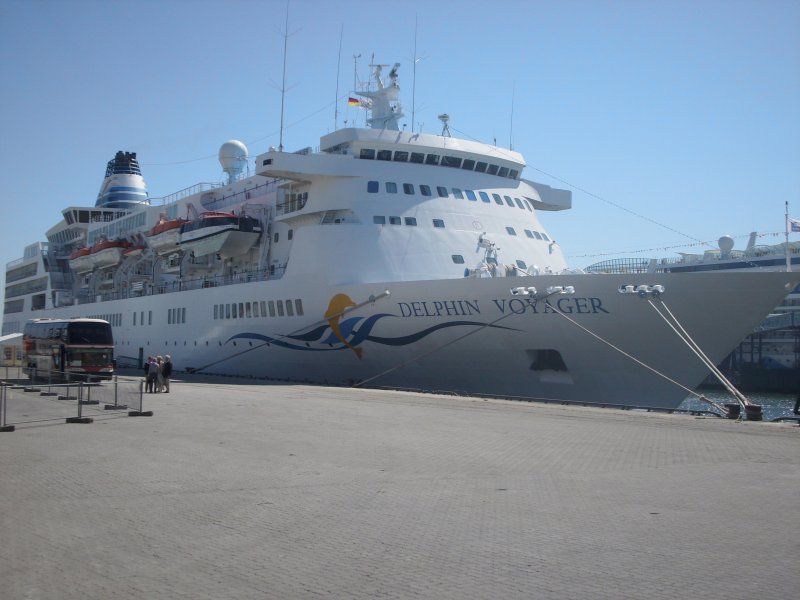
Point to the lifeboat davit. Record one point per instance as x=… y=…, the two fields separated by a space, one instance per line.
x=163 y=237
x=107 y=253
x=79 y=260
x=223 y=233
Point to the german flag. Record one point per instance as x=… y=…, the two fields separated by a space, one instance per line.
x=353 y=102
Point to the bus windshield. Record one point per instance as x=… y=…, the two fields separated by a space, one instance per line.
x=89 y=333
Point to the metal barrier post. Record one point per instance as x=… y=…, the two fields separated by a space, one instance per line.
x=116 y=406
x=4 y=426
x=80 y=418
x=140 y=412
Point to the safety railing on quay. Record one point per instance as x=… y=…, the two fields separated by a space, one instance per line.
x=46 y=397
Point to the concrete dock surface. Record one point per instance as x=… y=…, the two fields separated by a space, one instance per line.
x=236 y=489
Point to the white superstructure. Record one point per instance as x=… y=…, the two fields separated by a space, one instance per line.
x=386 y=258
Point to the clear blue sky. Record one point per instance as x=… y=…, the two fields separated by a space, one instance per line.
x=684 y=112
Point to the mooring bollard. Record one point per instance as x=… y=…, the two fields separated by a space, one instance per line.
x=734 y=410
x=752 y=412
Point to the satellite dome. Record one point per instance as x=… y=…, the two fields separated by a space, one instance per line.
x=725 y=244
x=233 y=158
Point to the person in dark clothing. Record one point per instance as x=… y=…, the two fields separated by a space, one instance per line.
x=166 y=372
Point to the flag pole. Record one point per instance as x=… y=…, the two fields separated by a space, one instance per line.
x=788 y=226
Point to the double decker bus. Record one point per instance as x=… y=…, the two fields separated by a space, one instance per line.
x=68 y=349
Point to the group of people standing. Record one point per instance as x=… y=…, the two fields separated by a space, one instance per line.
x=157 y=371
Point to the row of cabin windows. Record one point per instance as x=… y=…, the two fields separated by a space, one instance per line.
x=258 y=309
x=141 y=317
x=176 y=316
x=289 y=236
x=459 y=260
x=373 y=187
x=114 y=319
x=439 y=223
x=454 y=162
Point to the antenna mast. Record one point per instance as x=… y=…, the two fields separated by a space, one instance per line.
x=414 y=78
x=338 y=69
x=283 y=84
x=511 y=127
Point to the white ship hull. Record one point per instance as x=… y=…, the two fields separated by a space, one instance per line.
x=466 y=336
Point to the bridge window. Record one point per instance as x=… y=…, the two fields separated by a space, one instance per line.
x=432 y=159
x=457 y=194
x=492 y=169
x=394 y=220
x=379 y=220
x=468 y=164
x=509 y=201
x=417 y=157
x=442 y=191
x=367 y=153
x=425 y=190
x=372 y=187
x=408 y=189
x=519 y=203
x=471 y=195
x=451 y=161
x=503 y=172
x=384 y=155
x=412 y=221
x=401 y=156
x=438 y=223
x=484 y=196
x=511 y=231
x=480 y=167
x=497 y=199
x=391 y=187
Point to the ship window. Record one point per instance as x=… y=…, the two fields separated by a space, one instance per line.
x=458 y=259
x=412 y=221
x=384 y=155
x=438 y=223
x=417 y=157
x=528 y=204
x=497 y=198
x=367 y=153
x=379 y=220
x=401 y=156
x=298 y=306
x=241 y=310
x=545 y=238
x=289 y=309
x=255 y=309
x=451 y=161
x=408 y=188
x=271 y=305
x=519 y=203
x=511 y=231
x=468 y=164
x=521 y=264
x=275 y=239
x=248 y=310
x=227 y=311
x=233 y=311
x=484 y=196
x=425 y=190
x=290 y=235
x=492 y=169
x=457 y=194
x=280 y=307
x=509 y=201
x=538 y=235
x=529 y=233
x=134 y=319
x=503 y=172
x=480 y=167
x=183 y=315
x=394 y=220
x=169 y=316
x=442 y=191
x=432 y=159
x=471 y=195
x=513 y=174
x=372 y=187
x=391 y=187
x=263 y=309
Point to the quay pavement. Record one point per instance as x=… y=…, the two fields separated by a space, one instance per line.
x=236 y=489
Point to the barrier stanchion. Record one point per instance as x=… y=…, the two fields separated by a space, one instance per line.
x=4 y=426
x=140 y=412
x=116 y=405
x=80 y=418
x=49 y=391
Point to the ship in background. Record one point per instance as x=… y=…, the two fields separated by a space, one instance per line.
x=767 y=360
x=385 y=258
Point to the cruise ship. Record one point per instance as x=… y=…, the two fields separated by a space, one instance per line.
x=383 y=258
x=768 y=360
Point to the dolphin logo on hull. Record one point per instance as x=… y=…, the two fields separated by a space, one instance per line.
x=338 y=304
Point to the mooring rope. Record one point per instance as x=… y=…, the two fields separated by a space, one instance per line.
x=695 y=347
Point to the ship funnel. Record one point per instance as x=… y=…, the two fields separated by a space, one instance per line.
x=233 y=158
